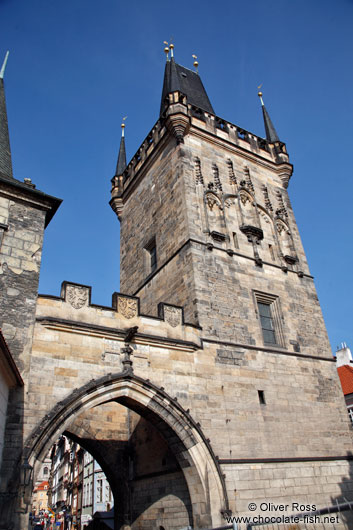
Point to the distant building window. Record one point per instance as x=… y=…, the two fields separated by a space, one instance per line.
x=269 y=314
x=45 y=471
x=100 y=490
x=350 y=412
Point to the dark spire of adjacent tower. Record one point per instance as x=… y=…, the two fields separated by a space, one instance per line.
x=180 y=79
x=5 y=152
x=121 y=165
x=271 y=134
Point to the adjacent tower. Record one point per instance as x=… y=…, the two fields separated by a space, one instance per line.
x=24 y=214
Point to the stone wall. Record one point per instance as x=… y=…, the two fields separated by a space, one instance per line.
x=303 y=416
x=20 y=257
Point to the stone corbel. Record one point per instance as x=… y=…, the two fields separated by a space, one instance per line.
x=285 y=173
x=117 y=205
x=178 y=120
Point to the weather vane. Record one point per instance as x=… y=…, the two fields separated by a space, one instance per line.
x=171 y=46
x=196 y=64
x=260 y=93
x=123 y=127
x=166 y=49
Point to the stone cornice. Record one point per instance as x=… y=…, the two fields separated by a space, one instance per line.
x=18 y=191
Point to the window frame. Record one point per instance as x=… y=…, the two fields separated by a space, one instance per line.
x=275 y=318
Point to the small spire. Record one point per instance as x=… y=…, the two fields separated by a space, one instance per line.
x=196 y=64
x=2 y=71
x=271 y=134
x=5 y=151
x=171 y=46
x=121 y=164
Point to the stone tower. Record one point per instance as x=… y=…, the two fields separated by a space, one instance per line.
x=206 y=223
x=24 y=214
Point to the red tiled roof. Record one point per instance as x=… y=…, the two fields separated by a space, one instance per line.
x=346 y=377
x=42 y=485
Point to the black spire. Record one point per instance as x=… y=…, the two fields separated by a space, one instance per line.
x=5 y=152
x=121 y=165
x=178 y=78
x=271 y=134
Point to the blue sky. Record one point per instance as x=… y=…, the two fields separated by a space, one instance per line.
x=77 y=67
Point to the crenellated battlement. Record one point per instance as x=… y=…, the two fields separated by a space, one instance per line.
x=181 y=118
x=73 y=310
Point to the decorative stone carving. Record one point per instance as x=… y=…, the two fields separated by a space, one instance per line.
x=281 y=211
x=229 y=202
x=173 y=315
x=244 y=197
x=217 y=180
x=267 y=199
x=248 y=180
x=77 y=296
x=281 y=227
x=232 y=177
x=198 y=172
x=127 y=307
x=253 y=233
x=264 y=216
x=211 y=201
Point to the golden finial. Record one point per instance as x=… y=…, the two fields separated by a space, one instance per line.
x=123 y=127
x=171 y=46
x=260 y=94
x=196 y=64
x=166 y=49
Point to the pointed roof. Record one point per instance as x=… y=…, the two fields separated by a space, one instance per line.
x=5 y=152
x=271 y=134
x=181 y=79
x=121 y=164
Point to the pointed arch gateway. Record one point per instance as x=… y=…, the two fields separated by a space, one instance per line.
x=191 y=449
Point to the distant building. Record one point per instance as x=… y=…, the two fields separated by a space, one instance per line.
x=344 y=364
x=78 y=486
x=40 y=498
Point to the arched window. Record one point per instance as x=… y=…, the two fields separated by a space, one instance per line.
x=45 y=471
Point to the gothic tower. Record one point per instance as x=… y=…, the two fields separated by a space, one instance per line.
x=206 y=223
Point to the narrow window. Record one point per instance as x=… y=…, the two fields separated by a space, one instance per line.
x=151 y=256
x=235 y=240
x=100 y=490
x=267 y=325
x=261 y=397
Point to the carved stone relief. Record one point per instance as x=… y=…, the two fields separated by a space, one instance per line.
x=173 y=315
x=127 y=307
x=232 y=177
x=244 y=197
x=77 y=296
x=198 y=172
